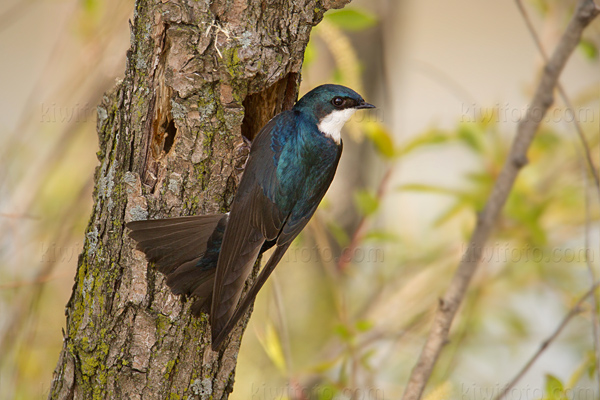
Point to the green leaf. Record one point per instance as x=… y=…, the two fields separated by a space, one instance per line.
x=480 y=178
x=365 y=360
x=343 y=332
x=327 y=392
x=465 y=200
x=351 y=19
x=589 y=49
x=272 y=346
x=487 y=118
x=432 y=137
x=381 y=236
x=522 y=208
x=364 y=325
x=422 y=188
x=381 y=138
x=554 y=388
x=541 y=5
x=516 y=324
x=91 y=6
x=589 y=360
x=471 y=136
x=339 y=234
x=547 y=140
x=448 y=215
x=366 y=202
x=326 y=365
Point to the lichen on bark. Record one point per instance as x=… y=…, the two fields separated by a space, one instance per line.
x=199 y=76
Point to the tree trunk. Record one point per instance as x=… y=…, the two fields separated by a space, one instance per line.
x=200 y=75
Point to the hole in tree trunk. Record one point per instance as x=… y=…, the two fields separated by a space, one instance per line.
x=260 y=107
x=170 y=133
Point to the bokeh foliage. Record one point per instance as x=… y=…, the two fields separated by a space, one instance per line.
x=363 y=338
x=347 y=311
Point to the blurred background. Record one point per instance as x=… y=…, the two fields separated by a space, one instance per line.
x=347 y=312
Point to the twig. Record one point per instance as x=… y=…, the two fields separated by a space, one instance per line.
x=563 y=95
x=594 y=172
x=359 y=233
x=283 y=326
x=18 y=216
x=30 y=300
x=590 y=267
x=439 y=76
x=38 y=280
x=13 y=14
x=298 y=390
x=576 y=309
x=586 y=11
x=462 y=334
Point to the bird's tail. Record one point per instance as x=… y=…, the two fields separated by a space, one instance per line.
x=186 y=250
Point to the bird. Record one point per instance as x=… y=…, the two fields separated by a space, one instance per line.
x=291 y=164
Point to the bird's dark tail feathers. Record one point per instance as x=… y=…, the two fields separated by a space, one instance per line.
x=186 y=250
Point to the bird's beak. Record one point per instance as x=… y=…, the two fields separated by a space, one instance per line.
x=364 y=104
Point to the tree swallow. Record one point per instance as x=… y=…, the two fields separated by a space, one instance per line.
x=291 y=164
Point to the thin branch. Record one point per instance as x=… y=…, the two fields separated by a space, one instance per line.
x=594 y=172
x=18 y=216
x=590 y=267
x=576 y=309
x=586 y=11
x=563 y=95
x=30 y=299
x=284 y=332
x=14 y=13
x=439 y=76
x=361 y=230
x=36 y=281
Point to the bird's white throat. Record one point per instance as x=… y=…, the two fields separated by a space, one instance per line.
x=331 y=125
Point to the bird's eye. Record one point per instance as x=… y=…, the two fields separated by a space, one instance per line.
x=337 y=101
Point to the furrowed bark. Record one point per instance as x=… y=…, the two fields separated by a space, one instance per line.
x=200 y=75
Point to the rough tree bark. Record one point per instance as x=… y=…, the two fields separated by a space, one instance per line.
x=200 y=75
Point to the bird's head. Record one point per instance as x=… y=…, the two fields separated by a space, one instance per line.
x=331 y=106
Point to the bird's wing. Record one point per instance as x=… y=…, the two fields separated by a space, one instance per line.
x=290 y=229
x=254 y=219
x=302 y=213
x=250 y=295
x=285 y=230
